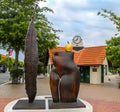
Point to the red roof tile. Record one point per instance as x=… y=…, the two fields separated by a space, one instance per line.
x=91 y=56
x=3 y=56
x=87 y=56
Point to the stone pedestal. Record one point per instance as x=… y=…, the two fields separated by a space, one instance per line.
x=45 y=104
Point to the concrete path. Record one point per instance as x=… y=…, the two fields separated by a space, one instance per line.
x=114 y=80
x=104 y=98
x=97 y=92
x=4 y=77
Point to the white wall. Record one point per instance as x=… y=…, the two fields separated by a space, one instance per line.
x=106 y=76
x=95 y=76
x=49 y=66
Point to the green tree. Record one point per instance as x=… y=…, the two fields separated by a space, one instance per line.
x=113 y=45
x=113 y=52
x=0 y=56
x=15 y=16
x=112 y=17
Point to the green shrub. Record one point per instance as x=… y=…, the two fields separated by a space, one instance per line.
x=40 y=68
x=16 y=73
x=119 y=85
x=118 y=69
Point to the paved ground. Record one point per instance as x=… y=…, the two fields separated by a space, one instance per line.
x=4 y=77
x=104 y=98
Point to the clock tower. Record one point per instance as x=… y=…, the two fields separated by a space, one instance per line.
x=77 y=41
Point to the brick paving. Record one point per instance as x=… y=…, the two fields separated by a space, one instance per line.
x=4 y=102
x=103 y=98
x=104 y=106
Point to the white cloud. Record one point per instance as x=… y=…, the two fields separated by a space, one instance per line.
x=80 y=17
x=43 y=4
x=76 y=2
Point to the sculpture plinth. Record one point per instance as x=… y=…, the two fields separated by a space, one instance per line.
x=49 y=106
x=64 y=78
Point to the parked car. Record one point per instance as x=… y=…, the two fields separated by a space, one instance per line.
x=3 y=68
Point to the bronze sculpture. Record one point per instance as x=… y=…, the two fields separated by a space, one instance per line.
x=64 y=78
x=31 y=60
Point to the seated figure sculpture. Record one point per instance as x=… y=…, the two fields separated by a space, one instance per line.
x=64 y=78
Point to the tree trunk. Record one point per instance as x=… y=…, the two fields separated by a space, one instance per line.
x=16 y=80
x=44 y=63
x=44 y=70
x=16 y=58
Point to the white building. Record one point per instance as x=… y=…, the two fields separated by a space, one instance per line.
x=91 y=61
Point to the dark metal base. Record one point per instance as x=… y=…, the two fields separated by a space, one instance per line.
x=61 y=105
x=40 y=104
x=24 y=104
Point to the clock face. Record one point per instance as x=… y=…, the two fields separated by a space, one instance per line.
x=77 y=39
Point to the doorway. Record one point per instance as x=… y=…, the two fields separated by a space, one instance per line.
x=85 y=74
x=102 y=74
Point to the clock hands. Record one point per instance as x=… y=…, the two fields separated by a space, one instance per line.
x=76 y=39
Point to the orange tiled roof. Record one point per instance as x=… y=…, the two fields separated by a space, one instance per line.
x=91 y=56
x=3 y=56
x=87 y=56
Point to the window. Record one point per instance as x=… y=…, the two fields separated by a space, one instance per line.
x=94 y=69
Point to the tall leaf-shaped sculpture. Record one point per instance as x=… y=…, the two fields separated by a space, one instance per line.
x=31 y=60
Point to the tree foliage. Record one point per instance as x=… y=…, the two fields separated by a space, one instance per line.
x=113 y=45
x=113 y=51
x=112 y=17
x=10 y=62
x=15 y=16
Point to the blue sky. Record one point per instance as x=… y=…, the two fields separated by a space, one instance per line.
x=79 y=17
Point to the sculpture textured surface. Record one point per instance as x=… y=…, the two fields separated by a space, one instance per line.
x=31 y=60
x=64 y=78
